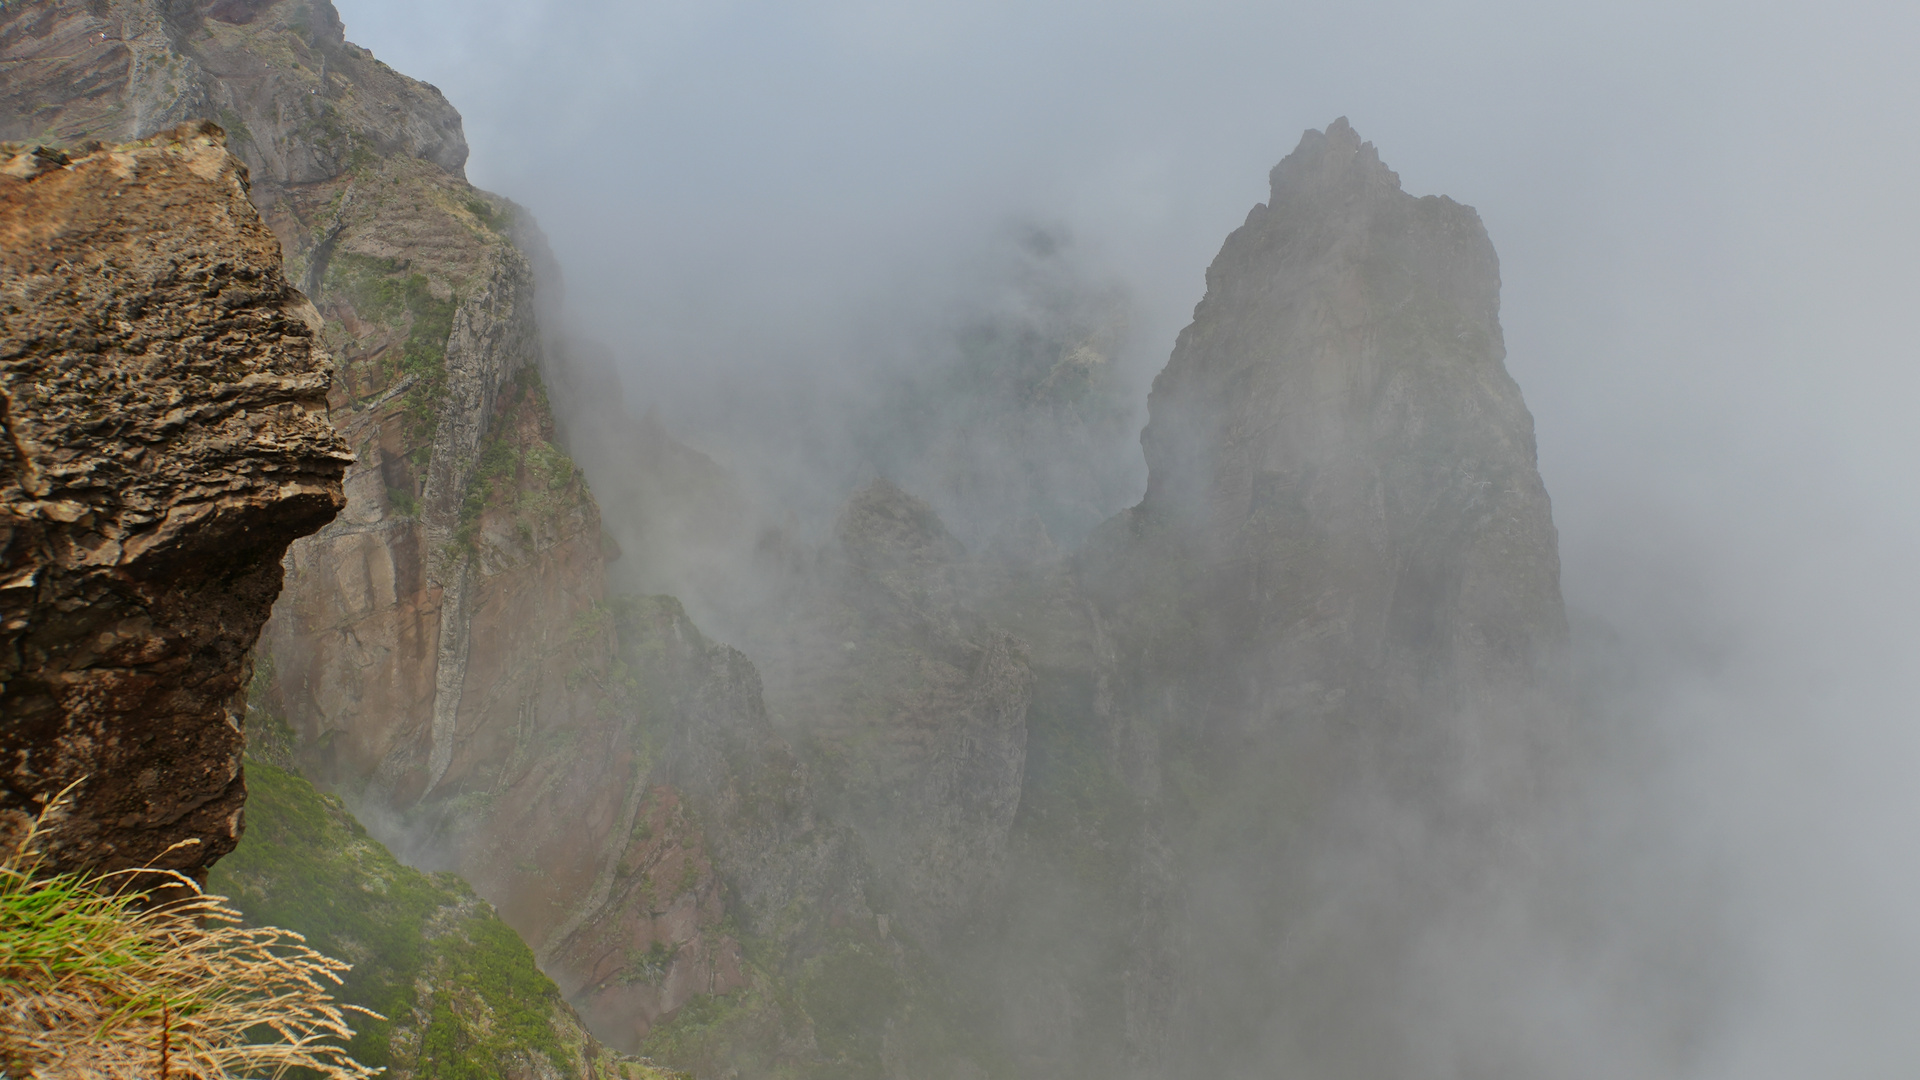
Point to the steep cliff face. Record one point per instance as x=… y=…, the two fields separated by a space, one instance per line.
x=441 y=652
x=445 y=654
x=715 y=842
x=1332 y=631
x=1255 y=748
x=299 y=103
x=163 y=405
x=428 y=302
x=1338 y=450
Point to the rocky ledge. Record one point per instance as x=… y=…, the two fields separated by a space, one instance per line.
x=163 y=437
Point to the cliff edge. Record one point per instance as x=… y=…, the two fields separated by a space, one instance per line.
x=163 y=406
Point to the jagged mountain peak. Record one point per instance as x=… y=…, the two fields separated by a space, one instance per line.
x=1336 y=159
x=1339 y=603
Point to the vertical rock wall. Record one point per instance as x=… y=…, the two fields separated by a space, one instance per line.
x=443 y=653
x=430 y=642
x=1265 y=738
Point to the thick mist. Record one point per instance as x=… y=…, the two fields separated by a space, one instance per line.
x=776 y=218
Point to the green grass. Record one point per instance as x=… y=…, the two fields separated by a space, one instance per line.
x=99 y=979
x=305 y=864
x=498 y=220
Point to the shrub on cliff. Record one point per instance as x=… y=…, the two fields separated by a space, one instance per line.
x=97 y=980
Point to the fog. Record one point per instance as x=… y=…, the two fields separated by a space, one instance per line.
x=1706 y=222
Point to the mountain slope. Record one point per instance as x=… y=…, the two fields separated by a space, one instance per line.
x=458 y=989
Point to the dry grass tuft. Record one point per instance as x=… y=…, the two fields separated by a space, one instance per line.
x=95 y=984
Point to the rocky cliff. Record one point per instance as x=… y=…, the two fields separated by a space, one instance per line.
x=1332 y=630
x=1199 y=799
x=445 y=654
x=426 y=654
x=300 y=104
x=163 y=398
x=429 y=304
x=1340 y=456
x=1217 y=793
x=910 y=705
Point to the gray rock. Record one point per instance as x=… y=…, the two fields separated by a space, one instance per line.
x=1336 y=615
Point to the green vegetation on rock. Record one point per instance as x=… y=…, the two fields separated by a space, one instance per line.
x=383 y=291
x=520 y=459
x=460 y=990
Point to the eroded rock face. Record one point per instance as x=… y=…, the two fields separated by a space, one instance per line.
x=700 y=829
x=164 y=403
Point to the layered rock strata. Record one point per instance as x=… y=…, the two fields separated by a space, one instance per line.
x=427 y=654
x=299 y=103
x=1256 y=747
x=163 y=396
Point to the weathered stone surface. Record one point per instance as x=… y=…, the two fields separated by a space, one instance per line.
x=1252 y=747
x=163 y=398
x=697 y=826
x=423 y=651
x=444 y=654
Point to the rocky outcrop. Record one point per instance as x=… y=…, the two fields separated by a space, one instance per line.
x=1334 y=645
x=425 y=648
x=1342 y=474
x=430 y=306
x=1255 y=747
x=445 y=654
x=163 y=399
x=429 y=654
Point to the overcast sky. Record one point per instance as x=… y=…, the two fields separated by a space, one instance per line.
x=1707 y=214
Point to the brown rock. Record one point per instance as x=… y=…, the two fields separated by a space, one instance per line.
x=163 y=402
